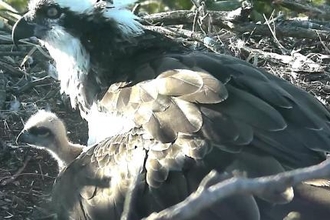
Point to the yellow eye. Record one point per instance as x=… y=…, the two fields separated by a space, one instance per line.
x=53 y=12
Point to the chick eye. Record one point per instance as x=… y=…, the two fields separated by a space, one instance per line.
x=39 y=131
x=53 y=12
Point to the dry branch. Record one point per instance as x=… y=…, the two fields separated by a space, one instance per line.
x=218 y=18
x=289 y=28
x=2 y=90
x=11 y=70
x=322 y=13
x=9 y=179
x=206 y=196
x=32 y=84
x=296 y=61
x=238 y=23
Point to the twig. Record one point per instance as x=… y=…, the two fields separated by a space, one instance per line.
x=37 y=174
x=12 y=53
x=33 y=84
x=7 y=180
x=196 y=3
x=281 y=47
x=2 y=93
x=7 y=6
x=13 y=71
x=324 y=46
x=29 y=54
x=41 y=172
x=206 y=196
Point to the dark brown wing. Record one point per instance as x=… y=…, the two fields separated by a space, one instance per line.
x=200 y=112
x=219 y=99
x=201 y=101
x=94 y=186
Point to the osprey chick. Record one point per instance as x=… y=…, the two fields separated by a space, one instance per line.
x=44 y=130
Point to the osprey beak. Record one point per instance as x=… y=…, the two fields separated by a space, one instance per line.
x=22 y=29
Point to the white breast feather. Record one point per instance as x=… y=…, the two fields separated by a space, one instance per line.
x=102 y=125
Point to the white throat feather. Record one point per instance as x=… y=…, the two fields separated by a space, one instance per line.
x=72 y=61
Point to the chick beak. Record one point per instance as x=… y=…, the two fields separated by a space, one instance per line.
x=22 y=137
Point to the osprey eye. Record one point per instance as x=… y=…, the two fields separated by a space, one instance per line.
x=53 y=12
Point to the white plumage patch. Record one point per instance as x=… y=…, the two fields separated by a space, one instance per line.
x=102 y=125
x=117 y=11
x=41 y=117
x=127 y=21
x=72 y=61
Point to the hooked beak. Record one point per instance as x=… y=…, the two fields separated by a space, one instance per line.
x=23 y=137
x=23 y=29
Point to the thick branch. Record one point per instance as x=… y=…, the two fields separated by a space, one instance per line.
x=206 y=196
x=322 y=13
x=237 y=24
x=284 y=29
x=187 y=17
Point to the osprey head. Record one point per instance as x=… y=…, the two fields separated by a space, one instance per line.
x=75 y=32
x=45 y=17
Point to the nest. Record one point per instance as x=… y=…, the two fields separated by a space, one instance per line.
x=292 y=48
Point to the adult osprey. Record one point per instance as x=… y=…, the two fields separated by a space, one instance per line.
x=179 y=112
